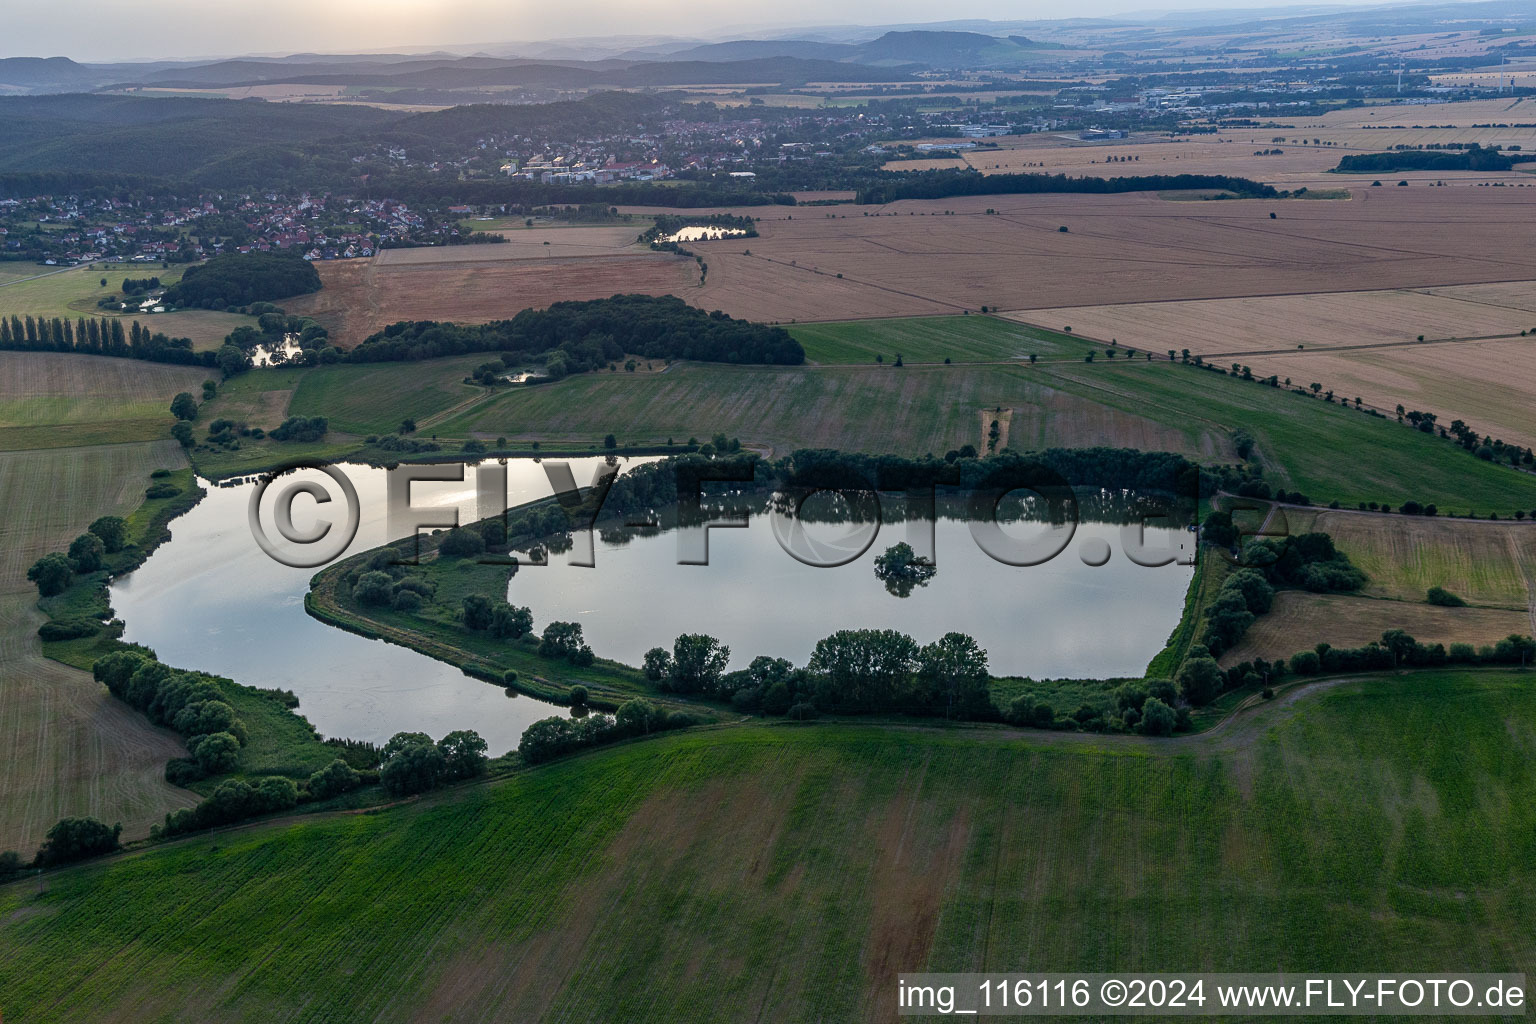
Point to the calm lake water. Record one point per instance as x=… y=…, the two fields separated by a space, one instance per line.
x=1060 y=619
x=210 y=599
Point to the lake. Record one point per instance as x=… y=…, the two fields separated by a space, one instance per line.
x=210 y=599
x=1063 y=618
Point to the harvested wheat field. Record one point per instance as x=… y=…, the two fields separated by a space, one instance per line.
x=1486 y=111
x=950 y=254
x=51 y=399
x=1489 y=384
x=1217 y=154
x=1299 y=621
x=72 y=749
x=524 y=244
x=1481 y=562
x=1272 y=323
x=360 y=297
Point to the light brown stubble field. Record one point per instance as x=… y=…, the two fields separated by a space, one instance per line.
x=363 y=296
x=911 y=257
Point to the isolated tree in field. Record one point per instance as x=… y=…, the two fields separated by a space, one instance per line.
x=75 y=839
x=113 y=531
x=52 y=574
x=610 y=442
x=184 y=406
x=1200 y=681
x=87 y=553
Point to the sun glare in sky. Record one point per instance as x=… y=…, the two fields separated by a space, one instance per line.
x=192 y=28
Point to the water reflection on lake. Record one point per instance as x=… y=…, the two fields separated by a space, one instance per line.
x=1060 y=619
x=209 y=599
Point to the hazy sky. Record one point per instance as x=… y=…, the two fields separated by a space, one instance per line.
x=99 y=30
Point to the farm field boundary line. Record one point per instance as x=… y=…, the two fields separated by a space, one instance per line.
x=868 y=284
x=1283 y=294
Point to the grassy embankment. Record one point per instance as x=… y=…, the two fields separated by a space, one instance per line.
x=790 y=872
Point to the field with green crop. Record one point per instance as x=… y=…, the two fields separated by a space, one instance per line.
x=1481 y=562
x=907 y=410
x=1319 y=448
x=963 y=339
x=56 y=400
x=74 y=293
x=374 y=398
x=788 y=873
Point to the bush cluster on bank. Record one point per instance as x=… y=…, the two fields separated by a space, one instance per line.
x=550 y=738
x=192 y=703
